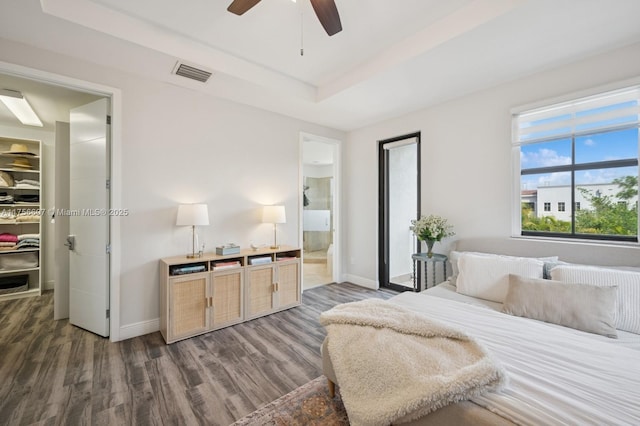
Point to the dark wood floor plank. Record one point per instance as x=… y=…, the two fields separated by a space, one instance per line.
x=52 y=373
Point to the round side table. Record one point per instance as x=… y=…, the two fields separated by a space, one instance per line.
x=433 y=261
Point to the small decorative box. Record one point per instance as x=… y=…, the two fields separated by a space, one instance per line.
x=228 y=249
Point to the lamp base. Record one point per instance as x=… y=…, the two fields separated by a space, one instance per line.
x=194 y=256
x=274 y=247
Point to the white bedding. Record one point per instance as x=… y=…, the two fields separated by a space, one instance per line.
x=557 y=375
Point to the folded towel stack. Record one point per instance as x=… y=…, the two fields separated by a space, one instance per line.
x=8 y=241
x=27 y=198
x=7 y=216
x=27 y=184
x=27 y=216
x=28 y=241
x=16 y=242
x=6 y=198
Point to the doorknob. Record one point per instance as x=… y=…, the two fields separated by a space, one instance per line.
x=71 y=242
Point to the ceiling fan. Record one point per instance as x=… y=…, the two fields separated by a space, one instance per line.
x=326 y=11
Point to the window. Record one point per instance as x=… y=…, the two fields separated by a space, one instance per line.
x=584 y=151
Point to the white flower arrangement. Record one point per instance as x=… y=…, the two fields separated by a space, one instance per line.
x=431 y=227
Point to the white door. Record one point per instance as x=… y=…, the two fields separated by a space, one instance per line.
x=61 y=227
x=89 y=219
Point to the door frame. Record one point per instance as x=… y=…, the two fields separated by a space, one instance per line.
x=337 y=198
x=115 y=96
x=383 y=207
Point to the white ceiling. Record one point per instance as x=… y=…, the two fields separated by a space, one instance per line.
x=391 y=58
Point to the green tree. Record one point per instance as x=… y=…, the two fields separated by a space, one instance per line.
x=628 y=187
x=609 y=217
x=545 y=223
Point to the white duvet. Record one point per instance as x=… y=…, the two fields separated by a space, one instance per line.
x=557 y=376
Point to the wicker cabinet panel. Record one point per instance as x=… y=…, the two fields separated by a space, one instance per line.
x=188 y=310
x=259 y=290
x=288 y=284
x=227 y=289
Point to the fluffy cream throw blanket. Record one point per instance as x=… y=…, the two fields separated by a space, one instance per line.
x=393 y=364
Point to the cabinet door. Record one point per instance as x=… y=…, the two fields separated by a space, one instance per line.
x=227 y=288
x=288 y=279
x=188 y=306
x=259 y=290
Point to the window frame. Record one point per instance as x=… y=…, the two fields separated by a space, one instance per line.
x=571 y=168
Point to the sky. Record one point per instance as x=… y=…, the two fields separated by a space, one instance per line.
x=622 y=144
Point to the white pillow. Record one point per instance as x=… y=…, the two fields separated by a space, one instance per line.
x=487 y=277
x=455 y=255
x=627 y=316
x=453 y=258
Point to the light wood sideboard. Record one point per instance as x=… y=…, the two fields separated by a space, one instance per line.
x=215 y=291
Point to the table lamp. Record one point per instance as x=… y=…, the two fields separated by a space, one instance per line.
x=193 y=215
x=275 y=215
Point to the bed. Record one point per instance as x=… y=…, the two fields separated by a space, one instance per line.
x=557 y=374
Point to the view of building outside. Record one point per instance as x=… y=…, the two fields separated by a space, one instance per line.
x=558 y=199
x=601 y=208
x=579 y=166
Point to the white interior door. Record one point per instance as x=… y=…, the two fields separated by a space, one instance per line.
x=61 y=227
x=89 y=219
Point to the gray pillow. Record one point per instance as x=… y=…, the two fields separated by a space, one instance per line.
x=584 y=307
x=548 y=266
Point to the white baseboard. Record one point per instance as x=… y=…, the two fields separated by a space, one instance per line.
x=362 y=282
x=139 y=329
x=49 y=285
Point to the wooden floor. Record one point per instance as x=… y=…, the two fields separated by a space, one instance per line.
x=52 y=373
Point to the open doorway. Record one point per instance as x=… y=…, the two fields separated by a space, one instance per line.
x=319 y=210
x=53 y=97
x=399 y=203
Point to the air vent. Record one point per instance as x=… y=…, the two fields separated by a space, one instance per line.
x=191 y=72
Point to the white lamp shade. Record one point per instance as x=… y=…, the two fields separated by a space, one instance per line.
x=192 y=215
x=274 y=214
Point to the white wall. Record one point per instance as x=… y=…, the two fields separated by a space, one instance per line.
x=181 y=146
x=466 y=156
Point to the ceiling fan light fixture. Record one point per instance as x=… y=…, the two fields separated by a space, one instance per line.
x=325 y=10
x=18 y=105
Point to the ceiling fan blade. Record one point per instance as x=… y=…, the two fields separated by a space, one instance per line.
x=327 y=13
x=239 y=7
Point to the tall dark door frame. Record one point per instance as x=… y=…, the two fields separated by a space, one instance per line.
x=383 y=207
